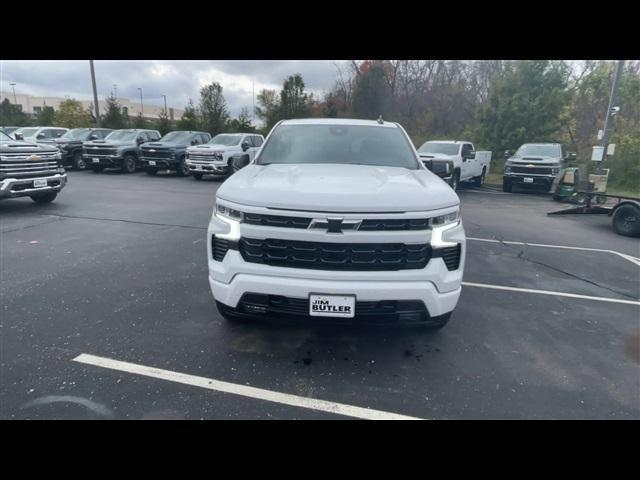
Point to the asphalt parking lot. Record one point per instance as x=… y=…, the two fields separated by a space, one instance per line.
x=115 y=271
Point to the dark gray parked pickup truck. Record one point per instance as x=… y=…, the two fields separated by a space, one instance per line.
x=70 y=144
x=120 y=149
x=534 y=164
x=30 y=170
x=169 y=152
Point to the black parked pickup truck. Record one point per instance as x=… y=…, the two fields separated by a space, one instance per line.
x=121 y=149
x=30 y=170
x=169 y=152
x=70 y=144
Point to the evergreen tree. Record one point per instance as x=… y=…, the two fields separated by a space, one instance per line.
x=114 y=116
x=189 y=119
x=213 y=108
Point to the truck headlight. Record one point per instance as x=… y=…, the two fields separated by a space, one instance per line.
x=58 y=155
x=229 y=213
x=446 y=219
x=507 y=169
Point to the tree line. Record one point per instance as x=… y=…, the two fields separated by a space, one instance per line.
x=496 y=104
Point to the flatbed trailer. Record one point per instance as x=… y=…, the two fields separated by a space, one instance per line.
x=625 y=213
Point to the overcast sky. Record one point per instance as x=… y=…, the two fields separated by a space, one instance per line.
x=179 y=80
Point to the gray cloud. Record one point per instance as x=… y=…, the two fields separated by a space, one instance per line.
x=179 y=80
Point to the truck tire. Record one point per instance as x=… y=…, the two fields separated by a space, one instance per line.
x=97 y=169
x=151 y=171
x=78 y=161
x=182 y=169
x=506 y=185
x=44 y=198
x=626 y=220
x=197 y=176
x=128 y=163
x=455 y=180
x=479 y=180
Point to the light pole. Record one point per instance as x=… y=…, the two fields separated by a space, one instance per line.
x=165 y=104
x=141 y=104
x=13 y=86
x=95 y=94
x=115 y=90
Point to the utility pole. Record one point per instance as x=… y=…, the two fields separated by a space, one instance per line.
x=165 y=104
x=13 y=86
x=115 y=91
x=253 y=98
x=95 y=94
x=141 y=105
x=608 y=124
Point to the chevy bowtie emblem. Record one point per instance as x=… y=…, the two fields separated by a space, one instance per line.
x=34 y=158
x=335 y=224
x=95 y=148
x=531 y=165
x=152 y=150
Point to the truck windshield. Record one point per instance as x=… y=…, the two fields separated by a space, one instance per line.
x=442 y=148
x=76 y=134
x=4 y=137
x=122 y=135
x=226 y=140
x=27 y=132
x=538 y=150
x=330 y=144
x=176 y=137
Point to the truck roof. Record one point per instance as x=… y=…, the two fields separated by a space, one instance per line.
x=449 y=141
x=338 y=121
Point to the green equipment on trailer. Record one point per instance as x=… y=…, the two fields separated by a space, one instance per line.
x=568 y=182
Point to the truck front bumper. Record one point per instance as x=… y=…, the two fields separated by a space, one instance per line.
x=211 y=168
x=24 y=187
x=435 y=288
x=102 y=160
x=160 y=163
x=525 y=179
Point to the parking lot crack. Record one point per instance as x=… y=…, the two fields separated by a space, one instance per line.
x=132 y=221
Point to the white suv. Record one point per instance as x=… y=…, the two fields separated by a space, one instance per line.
x=214 y=157
x=337 y=218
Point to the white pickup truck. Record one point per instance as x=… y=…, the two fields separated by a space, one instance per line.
x=215 y=157
x=465 y=164
x=336 y=218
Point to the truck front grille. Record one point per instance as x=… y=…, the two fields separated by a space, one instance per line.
x=198 y=157
x=157 y=154
x=335 y=256
x=369 y=225
x=99 y=151
x=19 y=166
x=532 y=170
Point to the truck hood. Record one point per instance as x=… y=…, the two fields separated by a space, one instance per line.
x=164 y=145
x=19 y=146
x=437 y=156
x=102 y=143
x=338 y=188
x=214 y=147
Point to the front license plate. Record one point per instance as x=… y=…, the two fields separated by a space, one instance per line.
x=332 y=305
x=198 y=167
x=39 y=183
x=95 y=160
x=528 y=180
x=152 y=163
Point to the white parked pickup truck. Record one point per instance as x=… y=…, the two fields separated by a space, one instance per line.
x=336 y=218
x=214 y=157
x=465 y=163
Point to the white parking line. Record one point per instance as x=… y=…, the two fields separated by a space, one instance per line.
x=243 y=390
x=549 y=292
x=630 y=258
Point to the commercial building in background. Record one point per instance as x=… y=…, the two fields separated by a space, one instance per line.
x=33 y=105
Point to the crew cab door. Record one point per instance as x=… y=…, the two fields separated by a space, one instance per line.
x=469 y=164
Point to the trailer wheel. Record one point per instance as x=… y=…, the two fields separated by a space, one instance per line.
x=626 y=221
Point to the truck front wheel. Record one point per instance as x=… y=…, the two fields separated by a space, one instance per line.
x=45 y=198
x=197 y=176
x=129 y=164
x=182 y=169
x=78 y=161
x=455 y=180
x=626 y=221
x=506 y=185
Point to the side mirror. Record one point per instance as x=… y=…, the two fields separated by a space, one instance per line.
x=18 y=136
x=139 y=140
x=40 y=136
x=93 y=136
x=507 y=153
x=245 y=146
x=240 y=161
x=194 y=142
x=570 y=156
x=471 y=154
